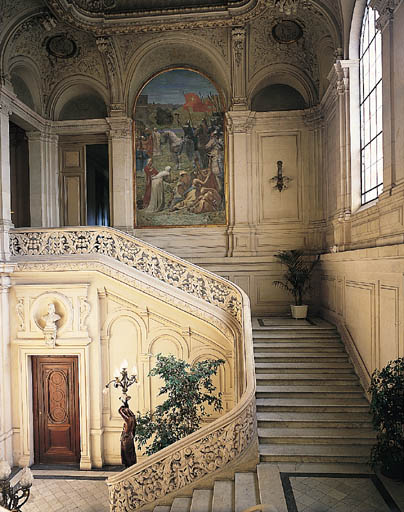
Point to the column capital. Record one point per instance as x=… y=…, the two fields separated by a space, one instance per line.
x=5 y=106
x=120 y=127
x=240 y=121
x=386 y=9
x=42 y=136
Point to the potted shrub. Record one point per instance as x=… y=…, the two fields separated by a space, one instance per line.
x=296 y=279
x=387 y=408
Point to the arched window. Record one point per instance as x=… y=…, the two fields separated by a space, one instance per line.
x=371 y=108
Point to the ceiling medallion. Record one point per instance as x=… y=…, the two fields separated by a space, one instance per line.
x=287 y=31
x=287 y=6
x=61 y=46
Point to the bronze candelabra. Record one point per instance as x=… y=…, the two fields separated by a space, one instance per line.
x=13 y=497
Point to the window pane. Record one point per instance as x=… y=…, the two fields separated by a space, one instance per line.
x=371 y=107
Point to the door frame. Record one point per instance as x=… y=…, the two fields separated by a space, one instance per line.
x=36 y=384
x=26 y=430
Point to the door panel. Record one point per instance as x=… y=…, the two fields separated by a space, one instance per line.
x=56 y=409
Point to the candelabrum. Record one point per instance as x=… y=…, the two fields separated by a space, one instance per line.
x=281 y=181
x=13 y=497
x=123 y=380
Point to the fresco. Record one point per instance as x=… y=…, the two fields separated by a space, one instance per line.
x=180 y=155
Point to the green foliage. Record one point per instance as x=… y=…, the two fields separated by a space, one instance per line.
x=189 y=389
x=298 y=272
x=387 y=408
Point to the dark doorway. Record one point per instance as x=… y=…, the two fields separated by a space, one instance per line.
x=97 y=178
x=19 y=177
x=56 y=409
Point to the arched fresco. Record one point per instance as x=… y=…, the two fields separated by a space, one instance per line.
x=180 y=155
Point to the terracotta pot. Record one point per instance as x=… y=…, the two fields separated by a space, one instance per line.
x=299 y=312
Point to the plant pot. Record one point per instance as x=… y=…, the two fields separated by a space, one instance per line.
x=299 y=312
x=393 y=470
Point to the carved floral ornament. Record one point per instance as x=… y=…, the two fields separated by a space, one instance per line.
x=135 y=254
x=176 y=470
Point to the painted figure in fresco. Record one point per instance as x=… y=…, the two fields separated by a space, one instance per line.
x=175 y=144
x=179 y=195
x=157 y=202
x=156 y=142
x=149 y=172
x=209 y=200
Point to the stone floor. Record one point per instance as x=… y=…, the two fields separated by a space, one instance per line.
x=86 y=491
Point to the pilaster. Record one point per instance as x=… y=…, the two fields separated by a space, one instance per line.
x=238 y=68
x=121 y=172
x=6 y=428
x=44 y=174
x=5 y=185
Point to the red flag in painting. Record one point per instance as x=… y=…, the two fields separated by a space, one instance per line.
x=194 y=102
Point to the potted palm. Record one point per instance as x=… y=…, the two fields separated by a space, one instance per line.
x=296 y=279
x=387 y=408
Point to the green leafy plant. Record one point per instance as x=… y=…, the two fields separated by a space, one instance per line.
x=387 y=408
x=189 y=389
x=296 y=279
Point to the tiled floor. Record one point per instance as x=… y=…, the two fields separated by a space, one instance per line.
x=336 y=494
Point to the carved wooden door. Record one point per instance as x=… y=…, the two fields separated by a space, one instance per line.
x=56 y=409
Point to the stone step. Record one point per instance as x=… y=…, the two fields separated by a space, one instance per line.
x=314 y=453
x=315 y=405
x=308 y=420
x=299 y=357
x=294 y=329
x=245 y=491
x=162 y=508
x=296 y=336
x=324 y=347
x=223 y=496
x=309 y=392
x=293 y=367
x=201 y=500
x=181 y=505
x=316 y=436
x=306 y=379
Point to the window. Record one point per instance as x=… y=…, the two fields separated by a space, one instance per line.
x=371 y=108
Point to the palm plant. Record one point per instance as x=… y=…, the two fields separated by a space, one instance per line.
x=296 y=279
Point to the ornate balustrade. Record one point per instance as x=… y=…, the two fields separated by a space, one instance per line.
x=215 y=445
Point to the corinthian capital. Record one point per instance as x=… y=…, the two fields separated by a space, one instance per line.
x=386 y=9
x=238 y=36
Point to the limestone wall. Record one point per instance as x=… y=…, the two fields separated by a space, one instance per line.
x=104 y=321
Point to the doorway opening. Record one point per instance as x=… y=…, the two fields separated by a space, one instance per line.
x=97 y=178
x=19 y=177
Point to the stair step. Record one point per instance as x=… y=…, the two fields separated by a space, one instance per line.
x=181 y=505
x=299 y=357
x=316 y=436
x=308 y=420
x=315 y=405
x=296 y=336
x=309 y=392
x=318 y=367
x=162 y=508
x=223 y=496
x=245 y=490
x=329 y=348
x=201 y=500
x=306 y=379
x=313 y=453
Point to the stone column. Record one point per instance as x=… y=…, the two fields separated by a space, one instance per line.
x=121 y=172
x=6 y=427
x=238 y=68
x=44 y=179
x=241 y=231
x=5 y=186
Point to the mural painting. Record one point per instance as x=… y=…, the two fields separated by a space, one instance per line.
x=180 y=158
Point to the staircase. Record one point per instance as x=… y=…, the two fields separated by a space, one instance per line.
x=310 y=405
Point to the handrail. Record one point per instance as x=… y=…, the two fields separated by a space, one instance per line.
x=217 y=443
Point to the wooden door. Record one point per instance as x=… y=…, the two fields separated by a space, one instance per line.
x=56 y=409
x=73 y=185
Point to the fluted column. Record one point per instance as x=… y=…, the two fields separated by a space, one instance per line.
x=121 y=171
x=44 y=175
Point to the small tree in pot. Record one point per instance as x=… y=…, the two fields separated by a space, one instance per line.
x=296 y=279
x=387 y=408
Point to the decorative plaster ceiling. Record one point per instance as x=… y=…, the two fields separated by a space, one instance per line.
x=108 y=17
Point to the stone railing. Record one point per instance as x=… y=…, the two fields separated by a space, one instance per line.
x=215 y=445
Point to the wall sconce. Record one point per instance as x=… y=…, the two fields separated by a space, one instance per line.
x=123 y=380
x=281 y=181
x=13 y=497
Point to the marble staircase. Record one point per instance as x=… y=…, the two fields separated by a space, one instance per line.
x=311 y=407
